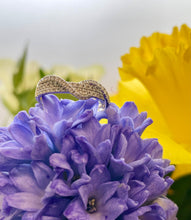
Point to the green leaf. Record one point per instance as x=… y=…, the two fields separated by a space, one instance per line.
x=41 y=73
x=180 y=193
x=9 y=107
x=65 y=96
x=26 y=99
x=18 y=76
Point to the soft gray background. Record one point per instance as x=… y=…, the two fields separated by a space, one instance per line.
x=84 y=32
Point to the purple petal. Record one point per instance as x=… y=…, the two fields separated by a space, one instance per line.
x=169 y=207
x=156 y=212
x=29 y=216
x=43 y=174
x=102 y=134
x=4 y=179
x=14 y=150
x=85 y=116
x=88 y=130
x=135 y=215
x=55 y=207
x=141 y=197
x=142 y=127
x=134 y=148
x=6 y=164
x=4 y=135
x=99 y=175
x=123 y=193
x=136 y=187
x=91 y=103
x=23 y=178
x=41 y=150
x=139 y=119
x=40 y=121
x=47 y=113
x=23 y=119
x=68 y=144
x=76 y=210
x=114 y=208
x=104 y=150
x=60 y=127
x=152 y=147
x=157 y=185
x=72 y=109
x=118 y=167
x=86 y=191
x=50 y=218
x=6 y=185
x=22 y=135
x=80 y=160
x=127 y=125
x=106 y=191
x=59 y=131
x=89 y=149
x=51 y=106
x=156 y=165
x=169 y=169
x=129 y=109
x=62 y=189
x=82 y=181
x=115 y=131
x=33 y=215
x=145 y=160
x=120 y=147
x=112 y=114
x=58 y=160
x=24 y=201
x=22 y=116
x=7 y=212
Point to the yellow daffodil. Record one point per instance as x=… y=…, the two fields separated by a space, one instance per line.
x=157 y=76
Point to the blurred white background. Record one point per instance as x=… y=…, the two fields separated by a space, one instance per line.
x=84 y=32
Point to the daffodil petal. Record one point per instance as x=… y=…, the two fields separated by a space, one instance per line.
x=171 y=150
x=181 y=170
x=157 y=77
x=135 y=91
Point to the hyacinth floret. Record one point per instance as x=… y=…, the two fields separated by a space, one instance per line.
x=61 y=161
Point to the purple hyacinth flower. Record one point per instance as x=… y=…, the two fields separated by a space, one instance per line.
x=161 y=208
x=60 y=162
x=97 y=198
